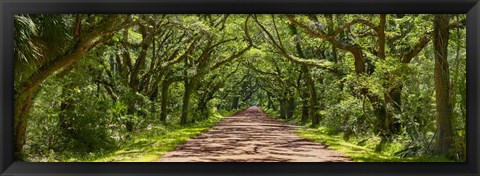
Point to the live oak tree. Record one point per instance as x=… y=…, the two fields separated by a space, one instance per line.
x=160 y=44
x=442 y=85
x=208 y=57
x=391 y=103
x=50 y=51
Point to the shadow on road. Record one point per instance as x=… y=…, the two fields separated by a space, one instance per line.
x=251 y=136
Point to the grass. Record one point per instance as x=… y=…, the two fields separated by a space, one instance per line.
x=151 y=144
x=362 y=150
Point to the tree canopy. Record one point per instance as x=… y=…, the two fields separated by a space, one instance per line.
x=85 y=83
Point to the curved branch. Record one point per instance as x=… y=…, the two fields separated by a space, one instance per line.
x=295 y=59
x=86 y=42
x=355 y=50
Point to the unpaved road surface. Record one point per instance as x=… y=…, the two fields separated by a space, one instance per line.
x=252 y=136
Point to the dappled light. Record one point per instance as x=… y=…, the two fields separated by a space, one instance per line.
x=252 y=136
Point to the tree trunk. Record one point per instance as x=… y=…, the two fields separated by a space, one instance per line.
x=388 y=118
x=164 y=101
x=22 y=110
x=203 y=110
x=395 y=103
x=305 y=98
x=235 y=102
x=130 y=111
x=282 y=108
x=304 y=110
x=309 y=83
x=270 y=102
x=202 y=106
x=379 y=112
x=330 y=32
x=290 y=107
x=312 y=99
x=442 y=84
x=186 y=102
x=381 y=36
x=153 y=97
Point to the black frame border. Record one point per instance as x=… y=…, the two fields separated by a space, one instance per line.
x=10 y=7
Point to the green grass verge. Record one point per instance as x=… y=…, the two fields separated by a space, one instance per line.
x=362 y=150
x=151 y=144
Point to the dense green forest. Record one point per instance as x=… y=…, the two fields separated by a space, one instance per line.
x=90 y=87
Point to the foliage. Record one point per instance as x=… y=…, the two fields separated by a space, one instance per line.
x=131 y=87
x=362 y=149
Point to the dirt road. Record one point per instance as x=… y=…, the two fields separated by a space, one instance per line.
x=251 y=136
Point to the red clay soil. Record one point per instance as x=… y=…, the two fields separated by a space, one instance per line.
x=251 y=136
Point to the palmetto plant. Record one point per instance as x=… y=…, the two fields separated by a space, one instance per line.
x=39 y=38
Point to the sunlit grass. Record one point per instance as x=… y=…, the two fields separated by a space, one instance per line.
x=362 y=150
x=151 y=145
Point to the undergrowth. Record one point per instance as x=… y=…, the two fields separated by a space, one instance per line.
x=359 y=148
x=149 y=145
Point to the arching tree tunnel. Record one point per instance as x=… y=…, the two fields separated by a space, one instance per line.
x=382 y=75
